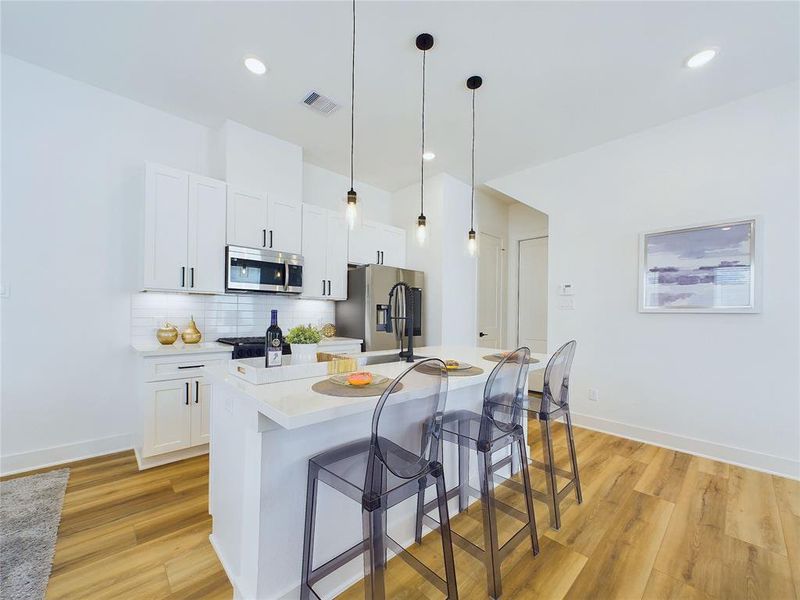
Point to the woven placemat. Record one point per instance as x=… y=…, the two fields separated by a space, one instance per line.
x=497 y=358
x=471 y=372
x=328 y=388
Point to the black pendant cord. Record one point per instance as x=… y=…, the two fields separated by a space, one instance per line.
x=353 y=97
x=472 y=199
x=422 y=154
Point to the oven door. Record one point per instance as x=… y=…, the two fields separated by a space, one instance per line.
x=250 y=269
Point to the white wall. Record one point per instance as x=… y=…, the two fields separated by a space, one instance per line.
x=718 y=384
x=73 y=178
x=329 y=190
x=449 y=295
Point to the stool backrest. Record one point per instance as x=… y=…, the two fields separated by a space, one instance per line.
x=555 y=392
x=406 y=430
x=504 y=392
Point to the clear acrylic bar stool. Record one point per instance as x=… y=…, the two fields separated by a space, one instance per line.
x=553 y=404
x=382 y=471
x=498 y=427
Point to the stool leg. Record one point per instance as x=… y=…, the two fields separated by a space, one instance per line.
x=491 y=550
x=423 y=483
x=308 y=536
x=447 y=542
x=514 y=460
x=375 y=556
x=463 y=468
x=573 y=456
x=550 y=475
x=526 y=481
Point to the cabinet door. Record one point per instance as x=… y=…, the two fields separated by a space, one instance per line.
x=165 y=230
x=336 y=255
x=284 y=229
x=167 y=416
x=201 y=412
x=315 y=232
x=363 y=244
x=247 y=219
x=392 y=244
x=206 y=235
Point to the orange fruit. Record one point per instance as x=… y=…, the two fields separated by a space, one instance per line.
x=360 y=378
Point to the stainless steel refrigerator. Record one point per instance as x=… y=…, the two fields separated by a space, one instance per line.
x=363 y=315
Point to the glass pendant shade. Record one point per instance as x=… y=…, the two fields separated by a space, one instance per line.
x=352 y=209
x=422 y=230
x=472 y=243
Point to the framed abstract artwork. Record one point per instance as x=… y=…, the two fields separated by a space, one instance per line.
x=705 y=268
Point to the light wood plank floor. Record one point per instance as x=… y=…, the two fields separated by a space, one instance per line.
x=655 y=524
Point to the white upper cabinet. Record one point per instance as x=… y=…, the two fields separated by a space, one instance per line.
x=255 y=221
x=324 y=254
x=378 y=244
x=206 y=235
x=184 y=232
x=247 y=219
x=284 y=226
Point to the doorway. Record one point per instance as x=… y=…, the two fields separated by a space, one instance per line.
x=532 y=300
x=490 y=291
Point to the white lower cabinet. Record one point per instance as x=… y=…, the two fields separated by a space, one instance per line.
x=176 y=408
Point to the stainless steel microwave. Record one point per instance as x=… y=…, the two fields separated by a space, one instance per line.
x=261 y=270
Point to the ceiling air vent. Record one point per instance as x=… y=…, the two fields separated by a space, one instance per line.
x=321 y=104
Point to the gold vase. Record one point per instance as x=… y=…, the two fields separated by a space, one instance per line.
x=167 y=334
x=191 y=335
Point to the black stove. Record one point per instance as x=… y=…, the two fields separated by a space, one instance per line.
x=249 y=347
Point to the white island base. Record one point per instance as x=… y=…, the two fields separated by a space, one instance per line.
x=261 y=439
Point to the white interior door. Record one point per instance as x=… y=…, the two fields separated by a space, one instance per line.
x=336 y=256
x=206 y=235
x=533 y=294
x=247 y=219
x=166 y=227
x=490 y=288
x=315 y=228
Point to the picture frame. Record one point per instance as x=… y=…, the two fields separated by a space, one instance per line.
x=706 y=268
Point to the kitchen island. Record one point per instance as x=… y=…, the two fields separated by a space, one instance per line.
x=261 y=439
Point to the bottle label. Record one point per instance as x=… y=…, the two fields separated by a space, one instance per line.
x=274 y=358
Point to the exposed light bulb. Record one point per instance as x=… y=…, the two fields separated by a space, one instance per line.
x=428 y=155
x=422 y=230
x=351 y=213
x=472 y=243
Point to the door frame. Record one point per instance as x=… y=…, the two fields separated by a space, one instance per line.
x=519 y=270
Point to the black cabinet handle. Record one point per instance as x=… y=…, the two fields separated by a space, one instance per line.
x=270 y=238
x=264 y=242
x=196 y=392
x=191 y=277
x=323 y=287
x=183 y=276
x=187 y=393
x=329 y=287
x=379 y=257
x=382 y=257
x=190 y=366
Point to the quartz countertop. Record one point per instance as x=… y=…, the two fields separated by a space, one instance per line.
x=178 y=348
x=293 y=404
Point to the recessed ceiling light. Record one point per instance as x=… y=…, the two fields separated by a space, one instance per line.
x=428 y=156
x=254 y=65
x=726 y=229
x=701 y=58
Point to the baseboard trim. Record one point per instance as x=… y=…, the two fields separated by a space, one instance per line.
x=767 y=463
x=148 y=462
x=56 y=455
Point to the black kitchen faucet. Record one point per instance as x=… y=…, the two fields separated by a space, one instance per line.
x=407 y=318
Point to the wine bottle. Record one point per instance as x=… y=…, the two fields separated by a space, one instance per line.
x=274 y=342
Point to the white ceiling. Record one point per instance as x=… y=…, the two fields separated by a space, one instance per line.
x=559 y=77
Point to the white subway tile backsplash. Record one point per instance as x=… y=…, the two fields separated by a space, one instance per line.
x=232 y=315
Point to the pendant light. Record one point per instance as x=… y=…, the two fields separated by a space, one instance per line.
x=473 y=83
x=424 y=43
x=351 y=213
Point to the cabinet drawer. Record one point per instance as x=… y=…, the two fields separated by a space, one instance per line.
x=162 y=369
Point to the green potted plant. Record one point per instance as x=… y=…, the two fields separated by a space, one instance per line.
x=303 y=341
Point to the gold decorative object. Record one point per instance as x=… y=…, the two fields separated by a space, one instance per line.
x=191 y=335
x=328 y=330
x=167 y=334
